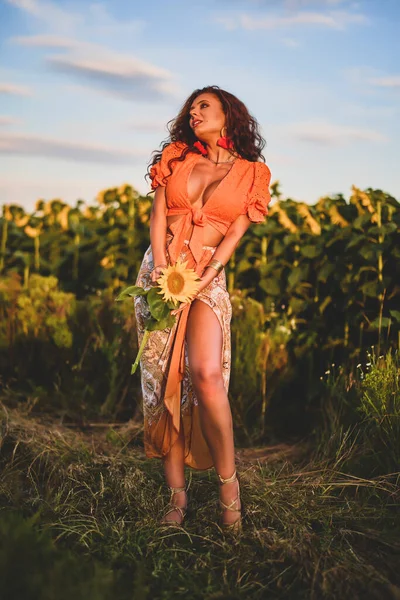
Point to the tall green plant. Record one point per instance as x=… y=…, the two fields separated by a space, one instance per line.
x=380 y=405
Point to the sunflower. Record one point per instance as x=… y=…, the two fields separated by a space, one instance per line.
x=178 y=283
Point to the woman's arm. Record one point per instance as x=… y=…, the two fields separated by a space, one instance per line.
x=223 y=253
x=158 y=231
x=226 y=247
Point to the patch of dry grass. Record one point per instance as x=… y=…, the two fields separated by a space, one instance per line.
x=310 y=531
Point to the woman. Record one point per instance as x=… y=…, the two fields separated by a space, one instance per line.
x=209 y=186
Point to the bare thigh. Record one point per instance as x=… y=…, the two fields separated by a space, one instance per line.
x=204 y=344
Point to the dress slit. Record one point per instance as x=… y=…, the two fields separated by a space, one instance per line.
x=218 y=312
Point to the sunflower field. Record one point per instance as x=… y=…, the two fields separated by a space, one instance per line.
x=314 y=393
x=315 y=285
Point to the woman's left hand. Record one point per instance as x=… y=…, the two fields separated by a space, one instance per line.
x=203 y=284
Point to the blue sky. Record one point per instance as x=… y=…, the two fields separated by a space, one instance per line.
x=86 y=89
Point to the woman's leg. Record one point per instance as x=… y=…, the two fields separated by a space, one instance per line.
x=204 y=344
x=174 y=469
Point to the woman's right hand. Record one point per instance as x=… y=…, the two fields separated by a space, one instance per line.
x=156 y=273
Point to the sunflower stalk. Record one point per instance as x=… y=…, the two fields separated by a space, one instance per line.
x=36 y=242
x=143 y=343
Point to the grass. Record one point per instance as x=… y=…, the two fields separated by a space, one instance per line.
x=79 y=516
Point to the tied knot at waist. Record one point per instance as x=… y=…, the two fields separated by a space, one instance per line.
x=198 y=217
x=180 y=230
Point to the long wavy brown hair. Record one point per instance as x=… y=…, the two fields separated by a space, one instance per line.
x=241 y=127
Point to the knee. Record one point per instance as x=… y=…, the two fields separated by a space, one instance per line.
x=207 y=377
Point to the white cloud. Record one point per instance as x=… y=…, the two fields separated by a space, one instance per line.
x=296 y=4
x=369 y=77
x=391 y=81
x=333 y=20
x=330 y=134
x=358 y=75
x=369 y=112
x=114 y=73
x=148 y=126
x=290 y=42
x=293 y=5
x=13 y=88
x=6 y=120
x=46 y=41
x=36 y=145
x=55 y=17
x=125 y=77
x=93 y=19
x=103 y=23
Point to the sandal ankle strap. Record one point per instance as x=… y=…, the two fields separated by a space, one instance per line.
x=176 y=490
x=230 y=479
x=181 y=510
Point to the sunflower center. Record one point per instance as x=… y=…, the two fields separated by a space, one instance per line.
x=176 y=283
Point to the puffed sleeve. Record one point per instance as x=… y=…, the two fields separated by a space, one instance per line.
x=259 y=195
x=160 y=170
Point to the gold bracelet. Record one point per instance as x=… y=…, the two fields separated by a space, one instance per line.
x=215 y=264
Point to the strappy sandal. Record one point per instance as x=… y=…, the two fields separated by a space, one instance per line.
x=172 y=507
x=236 y=526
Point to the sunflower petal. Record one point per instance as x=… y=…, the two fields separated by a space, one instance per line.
x=188 y=281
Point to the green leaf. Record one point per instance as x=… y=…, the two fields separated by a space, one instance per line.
x=271 y=286
x=389 y=227
x=278 y=248
x=384 y=322
x=153 y=325
x=325 y=271
x=310 y=251
x=24 y=256
x=271 y=269
x=361 y=221
x=297 y=305
x=291 y=238
x=132 y=290
x=158 y=308
x=395 y=314
x=298 y=274
x=355 y=240
x=370 y=288
x=243 y=265
x=385 y=229
x=369 y=253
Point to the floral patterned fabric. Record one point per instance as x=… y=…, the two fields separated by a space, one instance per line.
x=163 y=418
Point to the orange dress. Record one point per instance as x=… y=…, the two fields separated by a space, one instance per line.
x=168 y=396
